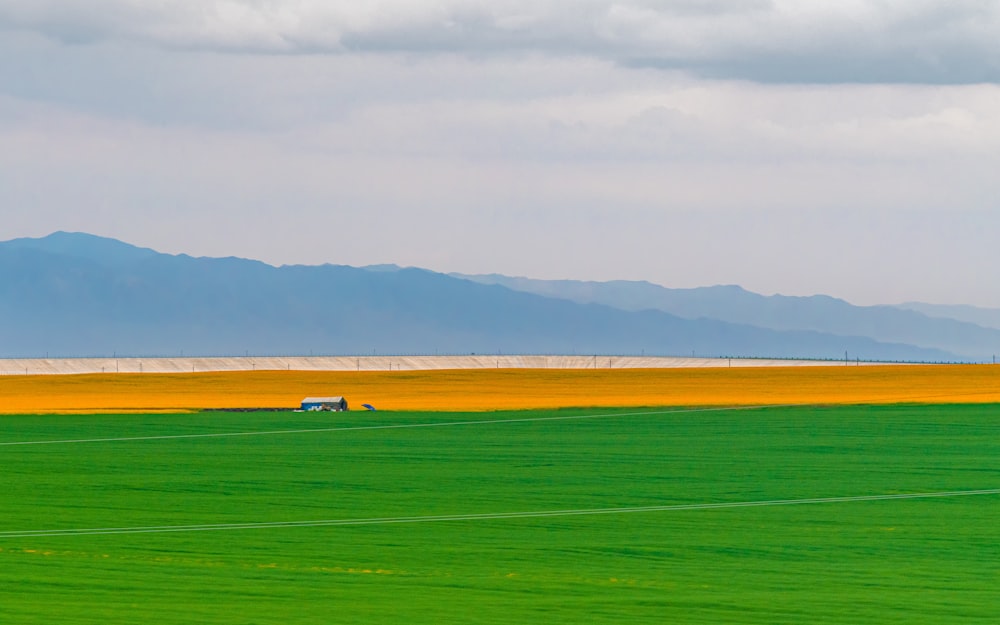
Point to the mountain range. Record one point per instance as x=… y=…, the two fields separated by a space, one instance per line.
x=75 y=294
x=972 y=332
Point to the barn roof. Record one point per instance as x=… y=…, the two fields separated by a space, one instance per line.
x=322 y=400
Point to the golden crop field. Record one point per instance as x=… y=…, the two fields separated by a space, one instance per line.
x=491 y=389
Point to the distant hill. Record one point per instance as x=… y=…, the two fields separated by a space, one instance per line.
x=986 y=317
x=818 y=313
x=72 y=294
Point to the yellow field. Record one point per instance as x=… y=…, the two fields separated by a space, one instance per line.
x=491 y=389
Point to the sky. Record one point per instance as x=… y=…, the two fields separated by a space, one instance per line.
x=847 y=147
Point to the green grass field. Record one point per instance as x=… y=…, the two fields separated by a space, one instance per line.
x=924 y=560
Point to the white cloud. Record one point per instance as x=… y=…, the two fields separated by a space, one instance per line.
x=552 y=139
x=915 y=41
x=591 y=185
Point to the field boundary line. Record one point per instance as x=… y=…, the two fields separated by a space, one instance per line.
x=392 y=426
x=162 y=529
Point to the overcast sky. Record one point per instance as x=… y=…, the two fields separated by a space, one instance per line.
x=846 y=147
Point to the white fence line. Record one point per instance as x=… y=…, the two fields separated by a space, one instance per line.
x=64 y=366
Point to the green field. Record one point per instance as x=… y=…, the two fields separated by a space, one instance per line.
x=921 y=560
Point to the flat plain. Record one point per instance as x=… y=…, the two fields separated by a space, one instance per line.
x=245 y=515
x=502 y=389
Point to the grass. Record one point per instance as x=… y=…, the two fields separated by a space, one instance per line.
x=489 y=389
x=913 y=561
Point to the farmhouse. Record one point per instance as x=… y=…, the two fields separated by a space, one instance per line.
x=335 y=404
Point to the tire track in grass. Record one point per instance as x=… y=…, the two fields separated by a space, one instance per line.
x=494 y=516
x=389 y=426
x=400 y=426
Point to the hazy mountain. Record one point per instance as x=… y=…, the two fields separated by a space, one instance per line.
x=819 y=313
x=986 y=317
x=77 y=294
